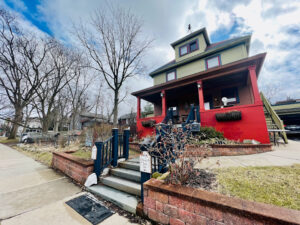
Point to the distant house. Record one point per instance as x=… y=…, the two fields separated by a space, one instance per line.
x=127 y=119
x=288 y=111
x=33 y=124
x=86 y=119
x=214 y=84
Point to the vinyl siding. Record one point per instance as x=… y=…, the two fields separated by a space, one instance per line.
x=227 y=56
x=202 y=47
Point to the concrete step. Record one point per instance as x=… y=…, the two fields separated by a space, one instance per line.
x=128 y=174
x=130 y=165
x=122 y=185
x=123 y=200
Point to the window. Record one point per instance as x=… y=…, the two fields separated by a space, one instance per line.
x=183 y=50
x=188 y=48
x=171 y=75
x=213 y=62
x=193 y=46
x=231 y=94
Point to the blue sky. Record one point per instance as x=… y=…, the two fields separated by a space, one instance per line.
x=274 y=25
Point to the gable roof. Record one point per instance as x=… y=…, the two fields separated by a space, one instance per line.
x=211 y=49
x=191 y=35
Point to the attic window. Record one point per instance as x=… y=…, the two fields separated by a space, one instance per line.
x=213 y=62
x=188 y=48
x=171 y=75
x=183 y=50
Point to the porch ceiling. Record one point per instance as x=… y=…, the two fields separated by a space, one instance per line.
x=227 y=69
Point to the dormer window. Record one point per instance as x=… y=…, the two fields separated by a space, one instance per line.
x=171 y=75
x=183 y=50
x=213 y=62
x=188 y=48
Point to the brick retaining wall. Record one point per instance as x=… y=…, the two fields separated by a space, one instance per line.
x=178 y=205
x=74 y=167
x=231 y=150
x=135 y=146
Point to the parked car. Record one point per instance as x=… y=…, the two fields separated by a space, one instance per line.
x=293 y=127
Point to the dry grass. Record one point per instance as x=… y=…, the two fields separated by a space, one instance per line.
x=4 y=140
x=84 y=153
x=273 y=185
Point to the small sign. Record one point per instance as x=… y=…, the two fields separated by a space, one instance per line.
x=145 y=162
x=94 y=152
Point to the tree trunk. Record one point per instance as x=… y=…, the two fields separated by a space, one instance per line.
x=15 y=123
x=116 y=103
x=45 y=124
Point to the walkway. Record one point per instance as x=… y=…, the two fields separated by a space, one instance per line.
x=284 y=155
x=31 y=193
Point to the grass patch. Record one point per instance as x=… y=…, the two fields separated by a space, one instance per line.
x=83 y=153
x=273 y=185
x=43 y=157
x=4 y=140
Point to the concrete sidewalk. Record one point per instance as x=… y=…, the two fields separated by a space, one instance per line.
x=31 y=193
x=283 y=155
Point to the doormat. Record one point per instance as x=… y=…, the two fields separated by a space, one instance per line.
x=90 y=209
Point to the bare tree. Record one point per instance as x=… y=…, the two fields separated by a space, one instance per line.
x=115 y=46
x=78 y=92
x=21 y=59
x=62 y=62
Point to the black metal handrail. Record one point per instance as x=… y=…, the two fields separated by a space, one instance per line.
x=110 y=150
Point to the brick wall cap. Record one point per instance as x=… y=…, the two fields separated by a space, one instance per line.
x=280 y=214
x=82 y=162
x=241 y=145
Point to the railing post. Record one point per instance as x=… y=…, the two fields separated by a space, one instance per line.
x=126 y=143
x=114 y=147
x=97 y=162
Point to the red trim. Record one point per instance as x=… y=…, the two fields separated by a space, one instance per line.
x=163 y=104
x=252 y=74
x=200 y=95
x=138 y=115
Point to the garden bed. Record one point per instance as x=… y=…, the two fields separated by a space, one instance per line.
x=76 y=168
x=230 y=149
x=175 y=204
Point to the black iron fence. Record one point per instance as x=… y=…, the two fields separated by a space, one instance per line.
x=110 y=150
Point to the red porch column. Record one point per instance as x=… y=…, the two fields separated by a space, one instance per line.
x=200 y=95
x=252 y=74
x=163 y=103
x=138 y=114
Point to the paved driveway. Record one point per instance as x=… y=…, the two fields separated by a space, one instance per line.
x=284 y=155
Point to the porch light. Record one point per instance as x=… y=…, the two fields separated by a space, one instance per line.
x=199 y=85
x=161 y=94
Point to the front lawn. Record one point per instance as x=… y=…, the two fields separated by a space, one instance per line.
x=273 y=185
x=4 y=140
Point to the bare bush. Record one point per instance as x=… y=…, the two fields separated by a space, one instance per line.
x=170 y=149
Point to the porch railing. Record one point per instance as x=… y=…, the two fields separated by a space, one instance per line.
x=110 y=150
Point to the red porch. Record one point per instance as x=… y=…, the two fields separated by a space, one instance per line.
x=236 y=81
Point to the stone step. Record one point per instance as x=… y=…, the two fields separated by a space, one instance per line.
x=132 y=165
x=122 y=185
x=123 y=200
x=127 y=174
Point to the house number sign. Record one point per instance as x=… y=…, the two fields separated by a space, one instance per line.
x=94 y=153
x=145 y=162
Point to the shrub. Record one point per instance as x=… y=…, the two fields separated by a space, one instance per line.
x=208 y=133
x=170 y=150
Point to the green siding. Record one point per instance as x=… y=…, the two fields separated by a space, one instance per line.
x=227 y=56
x=202 y=47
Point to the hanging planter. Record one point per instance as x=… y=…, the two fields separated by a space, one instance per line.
x=148 y=123
x=229 y=116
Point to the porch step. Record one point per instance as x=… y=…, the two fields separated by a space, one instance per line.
x=132 y=175
x=122 y=185
x=132 y=165
x=123 y=200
